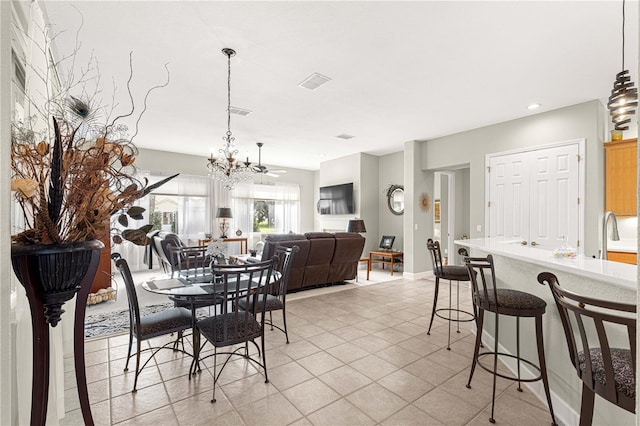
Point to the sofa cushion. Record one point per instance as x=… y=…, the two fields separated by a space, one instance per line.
x=296 y=273
x=348 y=250
x=321 y=247
x=314 y=235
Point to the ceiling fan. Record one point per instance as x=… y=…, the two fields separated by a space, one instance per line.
x=263 y=169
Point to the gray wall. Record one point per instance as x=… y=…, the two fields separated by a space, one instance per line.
x=362 y=170
x=586 y=120
x=390 y=173
x=171 y=162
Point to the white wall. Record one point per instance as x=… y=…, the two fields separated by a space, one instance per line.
x=586 y=120
x=6 y=348
x=170 y=162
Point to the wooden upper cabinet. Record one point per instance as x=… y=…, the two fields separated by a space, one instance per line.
x=621 y=168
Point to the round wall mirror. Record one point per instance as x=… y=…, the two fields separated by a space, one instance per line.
x=395 y=199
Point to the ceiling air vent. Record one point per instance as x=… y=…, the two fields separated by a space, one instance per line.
x=314 y=81
x=345 y=136
x=239 y=111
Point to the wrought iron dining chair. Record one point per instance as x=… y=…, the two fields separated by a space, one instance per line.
x=590 y=325
x=146 y=327
x=276 y=297
x=230 y=325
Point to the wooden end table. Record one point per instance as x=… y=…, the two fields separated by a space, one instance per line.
x=389 y=257
x=364 y=259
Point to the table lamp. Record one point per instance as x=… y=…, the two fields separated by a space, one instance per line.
x=356 y=225
x=224 y=213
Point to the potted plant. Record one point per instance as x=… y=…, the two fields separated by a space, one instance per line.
x=72 y=173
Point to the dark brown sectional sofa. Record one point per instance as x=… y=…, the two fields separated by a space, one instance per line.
x=324 y=258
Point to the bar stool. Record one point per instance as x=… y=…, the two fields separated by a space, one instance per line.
x=451 y=273
x=514 y=303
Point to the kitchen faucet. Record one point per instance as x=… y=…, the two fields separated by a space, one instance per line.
x=614 y=232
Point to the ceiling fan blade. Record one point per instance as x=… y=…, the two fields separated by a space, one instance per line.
x=281 y=171
x=269 y=173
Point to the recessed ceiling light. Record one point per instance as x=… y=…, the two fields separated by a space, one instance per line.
x=314 y=81
x=534 y=106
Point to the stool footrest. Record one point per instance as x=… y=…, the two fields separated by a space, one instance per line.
x=490 y=370
x=451 y=310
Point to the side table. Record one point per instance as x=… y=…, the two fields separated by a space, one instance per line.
x=364 y=259
x=385 y=256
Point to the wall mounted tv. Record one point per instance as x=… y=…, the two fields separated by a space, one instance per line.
x=336 y=199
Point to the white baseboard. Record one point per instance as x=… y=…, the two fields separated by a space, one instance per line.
x=565 y=415
x=417 y=275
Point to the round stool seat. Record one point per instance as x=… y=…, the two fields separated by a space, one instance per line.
x=455 y=273
x=517 y=302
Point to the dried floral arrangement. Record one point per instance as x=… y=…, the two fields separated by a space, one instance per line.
x=73 y=176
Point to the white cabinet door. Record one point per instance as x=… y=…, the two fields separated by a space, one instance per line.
x=533 y=196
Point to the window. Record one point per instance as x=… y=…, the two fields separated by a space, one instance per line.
x=266 y=209
x=183 y=215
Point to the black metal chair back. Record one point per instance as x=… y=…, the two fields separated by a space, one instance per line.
x=236 y=321
x=483 y=282
x=436 y=257
x=172 y=320
x=589 y=325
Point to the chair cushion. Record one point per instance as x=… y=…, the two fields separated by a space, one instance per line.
x=228 y=329
x=273 y=303
x=172 y=319
x=622 y=369
x=457 y=273
x=514 y=299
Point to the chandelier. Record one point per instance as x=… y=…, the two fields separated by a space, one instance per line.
x=624 y=97
x=225 y=167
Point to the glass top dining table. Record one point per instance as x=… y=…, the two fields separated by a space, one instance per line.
x=196 y=287
x=195 y=290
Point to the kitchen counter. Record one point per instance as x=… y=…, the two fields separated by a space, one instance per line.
x=614 y=272
x=517 y=267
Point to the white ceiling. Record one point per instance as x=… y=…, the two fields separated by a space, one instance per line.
x=400 y=70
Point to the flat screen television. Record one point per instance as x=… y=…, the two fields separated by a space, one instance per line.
x=336 y=199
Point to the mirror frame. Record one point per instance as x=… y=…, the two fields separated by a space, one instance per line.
x=390 y=191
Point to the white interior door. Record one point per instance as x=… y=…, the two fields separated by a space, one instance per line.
x=554 y=197
x=533 y=196
x=509 y=196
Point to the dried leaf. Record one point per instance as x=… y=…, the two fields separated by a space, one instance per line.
x=123 y=220
x=56 y=190
x=26 y=187
x=135 y=212
x=158 y=184
x=138 y=236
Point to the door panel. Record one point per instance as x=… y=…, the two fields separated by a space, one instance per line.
x=533 y=196
x=555 y=178
x=509 y=199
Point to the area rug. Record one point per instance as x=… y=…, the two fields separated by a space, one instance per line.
x=116 y=322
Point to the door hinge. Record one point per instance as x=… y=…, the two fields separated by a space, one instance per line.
x=488 y=203
x=579 y=157
x=488 y=169
x=578 y=244
x=578 y=200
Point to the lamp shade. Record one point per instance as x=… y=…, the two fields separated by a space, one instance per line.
x=356 y=225
x=224 y=213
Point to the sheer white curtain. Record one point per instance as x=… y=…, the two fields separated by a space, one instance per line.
x=286 y=199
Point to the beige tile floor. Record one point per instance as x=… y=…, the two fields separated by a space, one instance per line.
x=360 y=356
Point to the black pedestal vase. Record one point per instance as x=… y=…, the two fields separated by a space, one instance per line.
x=52 y=275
